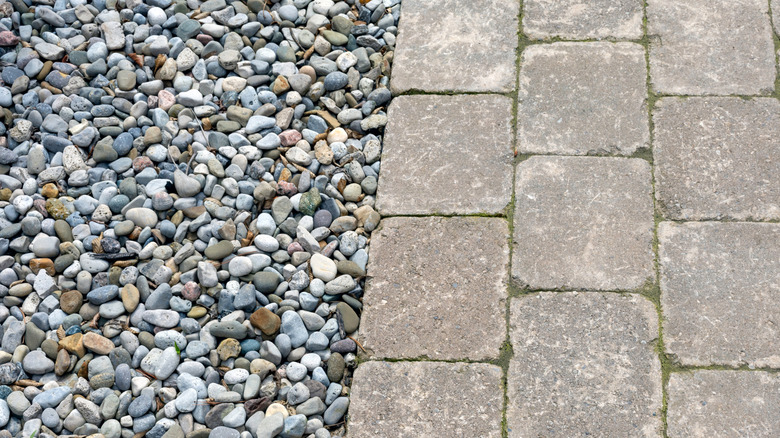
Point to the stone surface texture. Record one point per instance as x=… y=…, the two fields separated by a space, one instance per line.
x=727 y=404
x=583 y=98
x=438 y=294
x=711 y=47
x=718 y=157
x=583 y=222
x=456 y=45
x=447 y=155
x=584 y=365
x=583 y=19
x=720 y=292
x=404 y=399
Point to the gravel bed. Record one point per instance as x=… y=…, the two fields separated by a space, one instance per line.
x=186 y=201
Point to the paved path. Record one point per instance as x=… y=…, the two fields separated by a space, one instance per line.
x=581 y=236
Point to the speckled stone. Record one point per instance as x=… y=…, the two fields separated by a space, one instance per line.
x=413 y=395
x=429 y=297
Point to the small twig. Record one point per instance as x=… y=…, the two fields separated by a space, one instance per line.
x=146 y=374
x=358 y=343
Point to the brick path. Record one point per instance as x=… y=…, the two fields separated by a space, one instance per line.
x=619 y=277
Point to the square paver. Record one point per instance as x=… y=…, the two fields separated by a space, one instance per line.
x=723 y=404
x=583 y=223
x=456 y=45
x=718 y=157
x=710 y=46
x=584 y=365
x=776 y=15
x=447 y=155
x=720 y=292
x=583 y=19
x=436 y=288
x=426 y=399
x=583 y=99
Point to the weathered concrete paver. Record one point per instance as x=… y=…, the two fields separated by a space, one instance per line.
x=437 y=288
x=718 y=158
x=584 y=364
x=583 y=222
x=448 y=155
x=724 y=404
x=583 y=98
x=710 y=47
x=720 y=292
x=456 y=45
x=583 y=19
x=406 y=399
x=775 y=4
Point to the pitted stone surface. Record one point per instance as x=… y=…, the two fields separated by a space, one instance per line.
x=711 y=47
x=584 y=362
x=448 y=155
x=404 y=399
x=776 y=15
x=456 y=45
x=583 y=222
x=436 y=288
x=727 y=404
x=583 y=19
x=718 y=158
x=720 y=292
x=583 y=98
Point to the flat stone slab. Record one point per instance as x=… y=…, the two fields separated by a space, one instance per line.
x=436 y=288
x=776 y=15
x=584 y=365
x=711 y=47
x=447 y=155
x=718 y=157
x=583 y=223
x=709 y=403
x=720 y=292
x=456 y=45
x=583 y=19
x=583 y=98
x=405 y=399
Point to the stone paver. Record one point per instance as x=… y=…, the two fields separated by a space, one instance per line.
x=720 y=292
x=447 y=154
x=776 y=15
x=583 y=222
x=406 y=399
x=723 y=404
x=718 y=158
x=583 y=98
x=584 y=365
x=710 y=46
x=436 y=288
x=456 y=45
x=583 y=19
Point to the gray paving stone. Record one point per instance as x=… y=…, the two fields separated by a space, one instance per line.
x=406 y=399
x=710 y=46
x=724 y=404
x=584 y=365
x=436 y=288
x=583 y=223
x=775 y=4
x=720 y=292
x=583 y=98
x=447 y=154
x=583 y=19
x=456 y=45
x=718 y=157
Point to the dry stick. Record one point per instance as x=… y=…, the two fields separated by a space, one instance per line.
x=358 y=343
